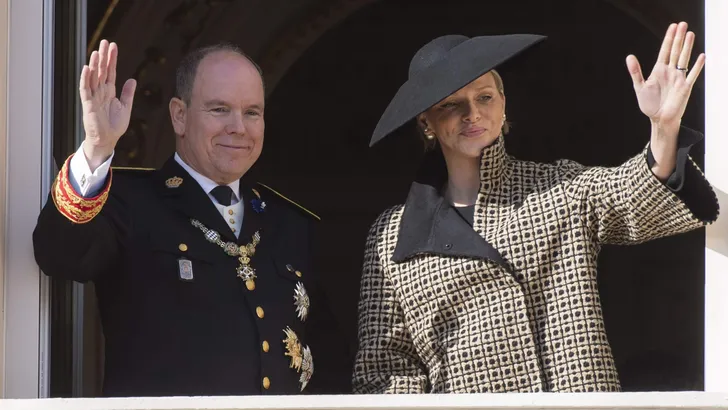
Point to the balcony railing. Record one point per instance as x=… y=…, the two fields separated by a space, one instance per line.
x=550 y=401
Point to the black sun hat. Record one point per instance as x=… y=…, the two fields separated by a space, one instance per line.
x=443 y=66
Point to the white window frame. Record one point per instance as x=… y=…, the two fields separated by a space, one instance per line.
x=716 y=170
x=24 y=315
x=27 y=171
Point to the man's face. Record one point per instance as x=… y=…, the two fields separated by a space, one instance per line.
x=220 y=131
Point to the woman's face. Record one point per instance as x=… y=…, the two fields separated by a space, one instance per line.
x=468 y=120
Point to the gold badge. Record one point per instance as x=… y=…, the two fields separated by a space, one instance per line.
x=300 y=299
x=301 y=358
x=173 y=182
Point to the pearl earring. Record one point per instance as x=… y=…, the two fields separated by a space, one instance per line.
x=429 y=134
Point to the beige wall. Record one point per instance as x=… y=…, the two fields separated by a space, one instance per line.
x=3 y=144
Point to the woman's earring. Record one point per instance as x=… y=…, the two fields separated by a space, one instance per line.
x=429 y=134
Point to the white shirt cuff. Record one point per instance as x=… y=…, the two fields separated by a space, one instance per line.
x=84 y=182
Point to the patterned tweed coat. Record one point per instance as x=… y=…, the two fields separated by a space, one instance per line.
x=510 y=304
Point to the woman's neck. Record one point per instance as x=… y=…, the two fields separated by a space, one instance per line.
x=463 y=182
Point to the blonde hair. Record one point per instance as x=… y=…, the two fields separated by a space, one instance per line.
x=430 y=144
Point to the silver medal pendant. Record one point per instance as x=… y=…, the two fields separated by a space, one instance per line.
x=185 y=270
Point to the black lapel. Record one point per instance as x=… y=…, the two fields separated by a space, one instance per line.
x=431 y=225
x=189 y=198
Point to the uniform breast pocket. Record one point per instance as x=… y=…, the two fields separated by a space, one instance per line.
x=187 y=268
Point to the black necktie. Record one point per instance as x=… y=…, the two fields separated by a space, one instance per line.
x=223 y=194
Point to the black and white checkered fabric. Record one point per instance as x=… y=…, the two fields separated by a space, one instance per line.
x=451 y=324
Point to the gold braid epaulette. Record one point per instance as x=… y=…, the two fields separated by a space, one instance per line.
x=72 y=205
x=290 y=201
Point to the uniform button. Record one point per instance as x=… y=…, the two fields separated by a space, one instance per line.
x=266 y=346
x=230 y=211
x=234 y=230
x=232 y=221
x=448 y=246
x=183 y=247
x=250 y=284
x=259 y=312
x=266 y=383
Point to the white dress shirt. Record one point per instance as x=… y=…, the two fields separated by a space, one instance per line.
x=88 y=184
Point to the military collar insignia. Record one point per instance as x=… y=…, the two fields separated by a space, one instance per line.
x=301 y=358
x=173 y=182
x=257 y=203
x=301 y=301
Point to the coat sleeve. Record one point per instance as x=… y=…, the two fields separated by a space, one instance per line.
x=77 y=238
x=628 y=204
x=386 y=361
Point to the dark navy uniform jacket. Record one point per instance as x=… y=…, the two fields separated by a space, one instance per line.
x=176 y=317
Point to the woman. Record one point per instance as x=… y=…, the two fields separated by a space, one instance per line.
x=485 y=279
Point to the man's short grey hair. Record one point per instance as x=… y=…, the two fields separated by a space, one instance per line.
x=187 y=69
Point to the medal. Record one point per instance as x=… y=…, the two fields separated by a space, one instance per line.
x=185 y=270
x=243 y=252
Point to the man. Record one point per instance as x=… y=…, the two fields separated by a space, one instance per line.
x=204 y=279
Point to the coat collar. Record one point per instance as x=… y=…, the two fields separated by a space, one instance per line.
x=430 y=224
x=183 y=193
x=206 y=183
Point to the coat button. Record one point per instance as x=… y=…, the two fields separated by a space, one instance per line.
x=230 y=211
x=266 y=383
x=259 y=311
x=266 y=346
x=183 y=247
x=250 y=284
x=448 y=246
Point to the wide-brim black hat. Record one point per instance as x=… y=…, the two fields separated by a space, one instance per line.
x=443 y=66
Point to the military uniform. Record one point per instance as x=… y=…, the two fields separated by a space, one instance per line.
x=186 y=307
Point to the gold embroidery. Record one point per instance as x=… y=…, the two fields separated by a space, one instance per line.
x=132 y=169
x=70 y=204
x=173 y=182
x=299 y=206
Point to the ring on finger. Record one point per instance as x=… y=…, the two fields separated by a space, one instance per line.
x=683 y=69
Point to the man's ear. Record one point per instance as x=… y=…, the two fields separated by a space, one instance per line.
x=178 y=114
